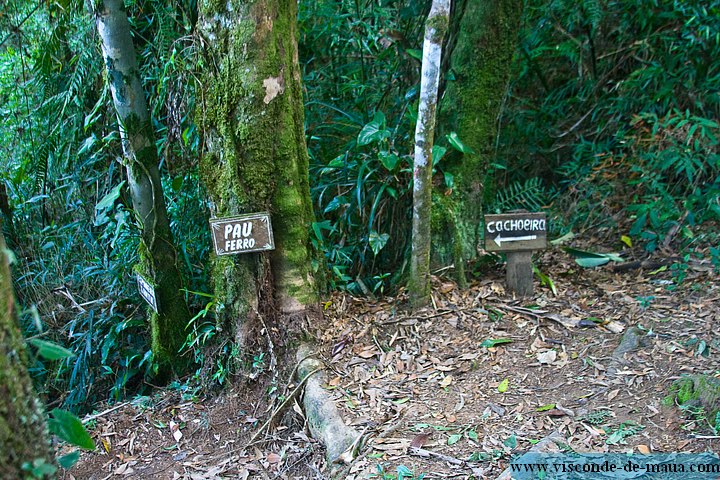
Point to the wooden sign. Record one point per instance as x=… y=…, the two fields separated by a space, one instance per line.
x=512 y=232
x=147 y=292
x=242 y=234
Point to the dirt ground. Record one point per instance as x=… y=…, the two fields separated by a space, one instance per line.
x=456 y=390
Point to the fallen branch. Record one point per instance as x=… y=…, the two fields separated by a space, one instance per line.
x=94 y=416
x=612 y=325
x=429 y=317
x=421 y=452
x=282 y=406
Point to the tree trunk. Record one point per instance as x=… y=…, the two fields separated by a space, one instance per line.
x=23 y=433
x=158 y=257
x=435 y=29
x=255 y=159
x=471 y=105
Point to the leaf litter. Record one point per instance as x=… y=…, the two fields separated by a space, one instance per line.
x=455 y=390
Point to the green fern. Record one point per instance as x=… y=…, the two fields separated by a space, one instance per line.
x=593 y=11
x=529 y=195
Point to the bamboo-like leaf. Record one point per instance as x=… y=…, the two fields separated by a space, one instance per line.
x=51 y=351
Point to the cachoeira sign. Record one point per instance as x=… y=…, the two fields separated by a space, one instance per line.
x=242 y=234
x=147 y=292
x=511 y=232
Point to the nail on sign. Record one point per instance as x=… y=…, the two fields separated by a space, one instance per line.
x=242 y=234
x=147 y=292
x=515 y=231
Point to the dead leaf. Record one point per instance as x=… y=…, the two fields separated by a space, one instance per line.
x=386 y=444
x=420 y=440
x=446 y=381
x=175 y=429
x=367 y=354
x=124 y=469
x=444 y=368
x=547 y=357
x=447 y=287
x=554 y=412
x=644 y=449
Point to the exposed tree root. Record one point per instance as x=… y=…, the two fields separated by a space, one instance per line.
x=324 y=419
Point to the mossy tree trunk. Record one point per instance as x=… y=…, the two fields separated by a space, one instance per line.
x=480 y=61
x=255 y=159
x=435 y=29
x=158 y=256
x=23 y=433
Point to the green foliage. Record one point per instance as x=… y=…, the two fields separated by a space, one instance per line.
x=402 y=473
x=617 y=102
x=529 y=195
x=361 y=83
x=71 y=221
x=70 y=429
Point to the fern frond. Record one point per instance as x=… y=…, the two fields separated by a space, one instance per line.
x=593 y=10
x=529 y=195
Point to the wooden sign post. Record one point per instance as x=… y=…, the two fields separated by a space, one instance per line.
x=517 y=234
x=242 y=234
x=147 y=292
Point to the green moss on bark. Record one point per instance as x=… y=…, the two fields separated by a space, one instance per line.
x=699 y=393
x=158 y=257
x=471 y=105
x=256 y=159
x=23 y=433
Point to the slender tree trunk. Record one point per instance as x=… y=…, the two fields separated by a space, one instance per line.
x=158 y=257
x=435 y=29
x=23 y=432
x=471 y=105
x=255 y=155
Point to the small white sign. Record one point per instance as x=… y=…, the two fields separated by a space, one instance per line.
x=147 y=292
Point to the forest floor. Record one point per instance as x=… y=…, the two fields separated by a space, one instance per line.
x=438 y=392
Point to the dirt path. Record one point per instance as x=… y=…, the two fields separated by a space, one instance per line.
x=458 y=389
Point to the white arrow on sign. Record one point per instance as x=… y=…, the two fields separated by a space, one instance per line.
x=499 y=240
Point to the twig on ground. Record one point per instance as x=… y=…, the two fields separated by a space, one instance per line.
x=94 y=416
x=282 y=406
x=421 y=452
x=429 y=317
x=365 y=442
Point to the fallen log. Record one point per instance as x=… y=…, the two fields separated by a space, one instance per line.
x=323 y=417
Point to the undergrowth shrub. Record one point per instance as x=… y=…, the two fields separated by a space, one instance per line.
x=69 y=218
x=361 y=74
x=616 y=102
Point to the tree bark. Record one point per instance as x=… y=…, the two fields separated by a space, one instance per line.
x=158 y=256
x=255 y=158
x=471 y=106
x=435 y=29
x=23 y=432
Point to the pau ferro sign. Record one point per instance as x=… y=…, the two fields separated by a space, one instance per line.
x=242 y=234
x=512 y=232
